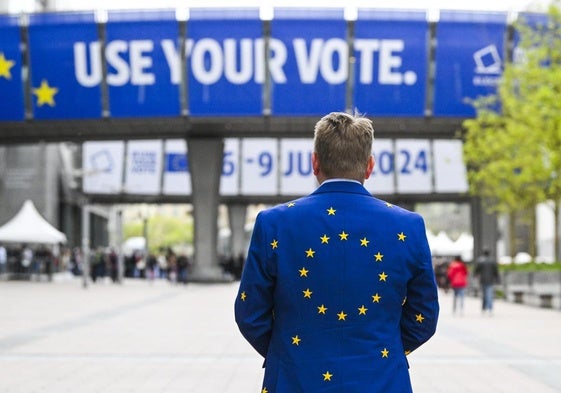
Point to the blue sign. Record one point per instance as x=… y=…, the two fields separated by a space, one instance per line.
x=225 y=62
x=143 y=64
x=469 y=66
x=390 y=49
x=176 y=162
x=65 y=66
x=11 y=87
x=308 y=61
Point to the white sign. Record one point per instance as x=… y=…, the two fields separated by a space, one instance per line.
x=177 y=178
x=413 y=166
x=144 y=167
x=449 y=168
x=102 y=164
x=382 y=179
x=259 y=166
x=229 y=182
x=297 y=175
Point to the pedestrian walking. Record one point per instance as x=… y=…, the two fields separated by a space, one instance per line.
x=487 y=271
x=458 y=277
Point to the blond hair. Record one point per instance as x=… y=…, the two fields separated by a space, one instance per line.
x=343 y=144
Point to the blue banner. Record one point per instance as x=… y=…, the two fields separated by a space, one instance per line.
x=390 y=48
x=225 y=62
x=469 y=66
x=143 y=64
x=11 y=87
x=308 y=61
x=65 y=66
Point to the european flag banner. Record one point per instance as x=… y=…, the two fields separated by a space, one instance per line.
x=309 y=57
x=65 y=72
x=11 y=87
x=143 y=64
x=225 y=62
x=176 y=176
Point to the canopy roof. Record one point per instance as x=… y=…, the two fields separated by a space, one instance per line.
x=28 y=226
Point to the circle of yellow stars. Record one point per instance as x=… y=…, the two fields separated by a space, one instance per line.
x=322 y=309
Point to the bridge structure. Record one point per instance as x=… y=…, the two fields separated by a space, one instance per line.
x=212 y=106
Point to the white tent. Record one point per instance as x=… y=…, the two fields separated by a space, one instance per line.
x=28 y=226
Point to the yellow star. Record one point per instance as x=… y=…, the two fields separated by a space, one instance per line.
x=264 y=390
x=401 y=236
x=324 y=239
x=45 y=94
x=243 y=296
x=343 y=235
x=383 y=276
x=407 y=352
x=296 y=340
x=331 y=211
x=310 y=253
x=364 y=242
x=378 y=257
x=322 y=309
x=376 y=298
x=308 y=293
x=5 y=66
x=341 y=316
x=290 y=204
x=303 y=272
x=327 y=376
x=389 y=204
x=385 y=353
x=419 y=318
x=275 y=244
x=362 y=310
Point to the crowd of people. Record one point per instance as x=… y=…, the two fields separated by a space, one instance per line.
x=39 y=262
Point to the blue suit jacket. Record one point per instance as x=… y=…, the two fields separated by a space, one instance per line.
x=337 y=288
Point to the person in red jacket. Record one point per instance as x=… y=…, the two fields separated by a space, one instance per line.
x=458 y=277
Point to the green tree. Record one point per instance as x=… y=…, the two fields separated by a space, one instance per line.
x=513 y=147
x=162 y=231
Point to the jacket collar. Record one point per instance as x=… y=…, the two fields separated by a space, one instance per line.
x=342 y=186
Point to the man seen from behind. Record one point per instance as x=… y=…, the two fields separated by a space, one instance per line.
x=338 y=286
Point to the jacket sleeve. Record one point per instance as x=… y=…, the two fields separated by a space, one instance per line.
x=254 y=303
x=420 y=309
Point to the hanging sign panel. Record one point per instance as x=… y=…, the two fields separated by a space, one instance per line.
x=382 y=179
x=144 y=167
x=177 y=178
x=469 y=67
x=229 y=182
x=225 y=62
x=390 y=49
x=143 y=64
x=296 y=172
x=308 y=61
x=259 y=166
x=413 y=166
x=102 y=165
x=11 y=85
x=65 y=67
x=449 y=168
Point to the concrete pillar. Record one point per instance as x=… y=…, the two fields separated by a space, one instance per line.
x=236 y=216
x=484 y=229
x=205 y=165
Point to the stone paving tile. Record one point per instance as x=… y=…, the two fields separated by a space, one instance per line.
x=157 y=337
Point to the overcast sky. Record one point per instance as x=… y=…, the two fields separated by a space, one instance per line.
x=483 y=5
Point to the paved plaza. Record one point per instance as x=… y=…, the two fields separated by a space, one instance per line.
x=157 y=337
